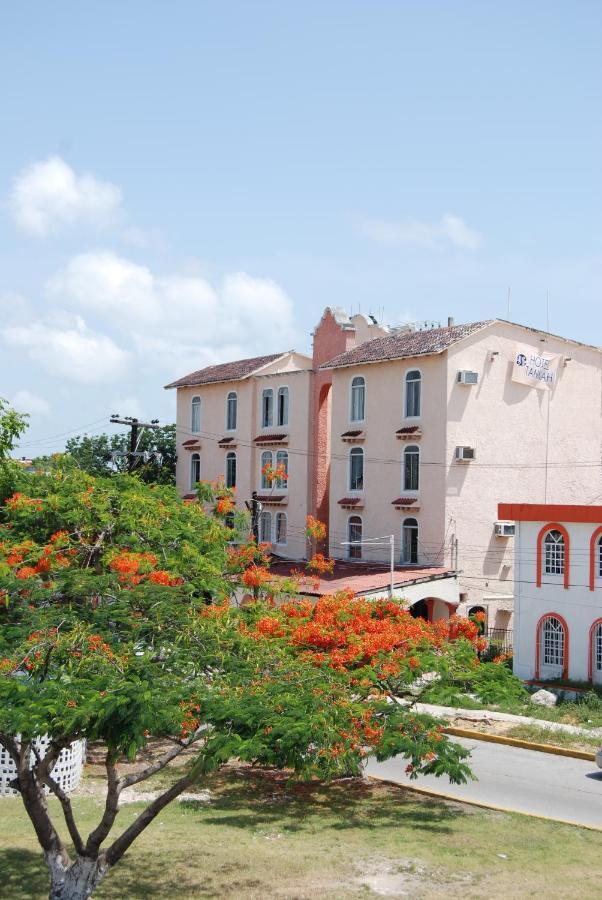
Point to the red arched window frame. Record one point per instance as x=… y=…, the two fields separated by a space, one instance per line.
x=592 y=557
x=590 y=666
x=553 y=526
x=538 y=630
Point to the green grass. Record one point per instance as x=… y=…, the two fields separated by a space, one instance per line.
x=262 y=837
x=542 y=735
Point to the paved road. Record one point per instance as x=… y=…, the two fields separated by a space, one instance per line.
x=523 y=780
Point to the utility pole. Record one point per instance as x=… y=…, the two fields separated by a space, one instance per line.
x=254 y=506
x=136 y=427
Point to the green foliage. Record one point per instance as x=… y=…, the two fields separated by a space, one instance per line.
x=490 y=683
x=12 y=426
x=93 y=454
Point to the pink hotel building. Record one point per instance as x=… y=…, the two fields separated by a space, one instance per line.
x=417 y=434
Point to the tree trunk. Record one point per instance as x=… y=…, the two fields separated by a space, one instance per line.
x=77 y=881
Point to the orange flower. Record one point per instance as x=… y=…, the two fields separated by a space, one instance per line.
x=256 y=576
x=26 y=572
x=160 y=577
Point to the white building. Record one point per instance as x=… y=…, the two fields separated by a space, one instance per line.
x=557 y=591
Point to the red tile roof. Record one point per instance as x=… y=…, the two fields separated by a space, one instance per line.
x=404 y=501
x=271 y=498
x=351 y=434
x=351 y=501
x=231 y=371
x=408 y=429
x=404 y=345
x=193 y=442
x=363 y=578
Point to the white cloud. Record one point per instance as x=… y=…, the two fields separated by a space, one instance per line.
x=69 y=349
x=25 y=402
x=177 y=320
x=450 y=229
x=48 y=196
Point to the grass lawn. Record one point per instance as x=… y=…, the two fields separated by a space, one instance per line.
x=261 y=837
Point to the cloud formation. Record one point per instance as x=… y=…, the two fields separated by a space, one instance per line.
x=26 y=402
x=69 y=349
x=50 y=196
x=449 y=230
x=109 y=317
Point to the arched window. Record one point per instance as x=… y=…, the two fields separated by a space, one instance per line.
x=267 y=461
x=595 y=652
x=265 y=527
x=231 y=470
x=354 y=536
x=595 y=557
x=283 y=406
x=267 y=408
x=413 y=383
x=409 y=542
x=358 y=399
x=411 y=468
x=356 y=469
x=552 y=647
x=195 y=469
x=282 y=460
x=281 y=524
x=554 y=553
x=195 y=415
x=599 y=557
x=231 y=411
x=229 y=520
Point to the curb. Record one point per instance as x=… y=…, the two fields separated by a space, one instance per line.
x=429 y=792
x=516 y=742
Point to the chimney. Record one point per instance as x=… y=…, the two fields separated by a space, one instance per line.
x=450 y=321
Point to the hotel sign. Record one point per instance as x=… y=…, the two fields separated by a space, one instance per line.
x=535 y=369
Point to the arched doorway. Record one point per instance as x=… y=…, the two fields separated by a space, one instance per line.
x=481 y=613
x=420 y=610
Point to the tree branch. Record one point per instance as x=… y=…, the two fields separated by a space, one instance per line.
x=96 y=837
x=67 y=813
x=160 y=763
x=125 y=840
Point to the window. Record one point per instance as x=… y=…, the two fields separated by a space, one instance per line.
x=195 y=469
x=266 y=463
x=230 y=470
x=356 y=469
x=195 y=415
x=554 y=553
x=281 y=528
x=265 y=527
x=231 y=411
x=354 y=535
x=553 y=642
x=600 y=557
x=596 y=652
x=267 y=408
x=229 y=520
x=411 y=468
x=283 y=406
x=409 y=542
x=282 y=460
x=413 y=382
x=358 y=399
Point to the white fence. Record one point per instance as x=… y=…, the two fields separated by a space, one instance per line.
x=67 y=770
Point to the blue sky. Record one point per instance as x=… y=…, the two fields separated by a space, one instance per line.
x=186 y=182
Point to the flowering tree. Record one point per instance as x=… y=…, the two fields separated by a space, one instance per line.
x=106 y=634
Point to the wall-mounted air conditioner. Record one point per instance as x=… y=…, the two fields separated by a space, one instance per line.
x=467 y=377
x=465 y=454
x=505 y=529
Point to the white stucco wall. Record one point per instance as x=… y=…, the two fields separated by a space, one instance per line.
x=577 y=605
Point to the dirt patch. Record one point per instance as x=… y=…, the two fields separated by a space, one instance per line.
x=405 y=877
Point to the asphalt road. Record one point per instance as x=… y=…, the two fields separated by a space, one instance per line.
x=526 y=781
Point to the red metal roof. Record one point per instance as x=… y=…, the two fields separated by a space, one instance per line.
x=363 y=578
x=405 y=344
x=549 y=512
x=230 y=371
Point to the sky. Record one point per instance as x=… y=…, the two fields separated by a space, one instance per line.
x=185 y=183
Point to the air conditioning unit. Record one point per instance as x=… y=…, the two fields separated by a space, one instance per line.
x=465 y=454
x=505 y=529
x=466 y=377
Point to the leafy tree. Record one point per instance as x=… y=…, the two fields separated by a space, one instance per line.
x=106 y=634
x=12 y=426
x=94 y=454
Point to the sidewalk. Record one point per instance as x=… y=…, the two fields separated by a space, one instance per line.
x=484 y=715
